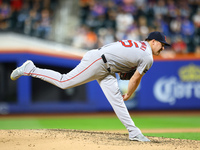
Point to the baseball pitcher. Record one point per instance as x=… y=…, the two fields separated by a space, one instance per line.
x=131 y=59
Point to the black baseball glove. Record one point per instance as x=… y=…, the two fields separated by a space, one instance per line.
x=128 y=75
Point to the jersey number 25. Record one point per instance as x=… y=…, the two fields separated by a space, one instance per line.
x=130 y=44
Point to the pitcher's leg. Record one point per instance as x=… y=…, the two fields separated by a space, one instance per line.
x=111 y=90
x=82 y=73
x=50 y=76
x=90 y=68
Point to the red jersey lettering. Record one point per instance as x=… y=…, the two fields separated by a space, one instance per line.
x=143 y=46
x=136 y=45
x=129 y=44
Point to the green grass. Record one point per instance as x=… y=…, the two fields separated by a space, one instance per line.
x=168 y=122
x=107 y=123
x=62 y=123
x=189 y=136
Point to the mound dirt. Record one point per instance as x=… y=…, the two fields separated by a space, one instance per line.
x=55 y=139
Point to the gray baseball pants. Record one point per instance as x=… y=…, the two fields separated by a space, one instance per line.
x=92 y=68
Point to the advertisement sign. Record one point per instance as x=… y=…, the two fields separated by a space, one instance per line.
x=168 y=85
x=171 y=85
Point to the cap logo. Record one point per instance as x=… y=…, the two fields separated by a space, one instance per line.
x=159 y=37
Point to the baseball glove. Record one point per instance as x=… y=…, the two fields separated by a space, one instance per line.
x=127 y=76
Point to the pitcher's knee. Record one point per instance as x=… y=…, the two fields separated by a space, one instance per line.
x=62 y=86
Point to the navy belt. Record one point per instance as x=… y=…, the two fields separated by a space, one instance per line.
x=104 y=58
x=105 y=61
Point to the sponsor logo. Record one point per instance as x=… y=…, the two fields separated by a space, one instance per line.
x=189 y=73
x=171 y=89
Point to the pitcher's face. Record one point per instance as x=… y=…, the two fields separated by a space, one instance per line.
x=157 y=47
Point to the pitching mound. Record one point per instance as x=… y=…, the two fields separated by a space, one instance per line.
x=54 y=139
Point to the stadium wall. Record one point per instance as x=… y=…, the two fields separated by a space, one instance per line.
x=170 y=84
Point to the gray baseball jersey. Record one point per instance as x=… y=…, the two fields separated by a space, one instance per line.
x=120 y=56
x=127 y=54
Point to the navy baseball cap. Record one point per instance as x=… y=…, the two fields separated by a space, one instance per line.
x=158 y=36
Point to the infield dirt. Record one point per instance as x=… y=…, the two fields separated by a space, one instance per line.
x=55 y=139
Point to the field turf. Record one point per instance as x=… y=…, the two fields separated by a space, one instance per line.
x=107 y=123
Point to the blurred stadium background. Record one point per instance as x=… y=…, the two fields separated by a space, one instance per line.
x=55 y=34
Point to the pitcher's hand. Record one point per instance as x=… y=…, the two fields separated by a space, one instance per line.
x=125 y=97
